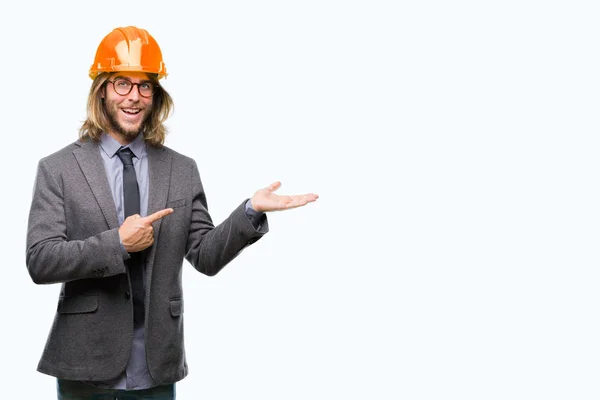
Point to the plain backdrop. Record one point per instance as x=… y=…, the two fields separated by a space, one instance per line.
x=453 y=253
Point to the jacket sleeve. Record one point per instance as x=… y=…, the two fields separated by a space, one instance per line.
x=210 y=248
x=51 y=257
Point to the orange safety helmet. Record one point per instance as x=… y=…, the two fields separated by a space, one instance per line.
x=128 y=49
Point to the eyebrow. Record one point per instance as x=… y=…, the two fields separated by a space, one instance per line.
x=127 y=79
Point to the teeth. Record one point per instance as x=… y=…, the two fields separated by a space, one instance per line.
x=131 y=110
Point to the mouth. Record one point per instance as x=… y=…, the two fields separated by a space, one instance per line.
x=132 y=115
x=131 y=111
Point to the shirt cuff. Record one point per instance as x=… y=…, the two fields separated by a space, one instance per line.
x=254 y=216
x=124 y=253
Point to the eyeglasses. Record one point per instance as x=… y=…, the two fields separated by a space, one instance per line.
x=123 y=87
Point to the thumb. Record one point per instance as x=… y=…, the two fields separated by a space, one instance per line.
x=274 y=186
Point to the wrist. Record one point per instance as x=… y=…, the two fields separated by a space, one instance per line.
x=251 y=206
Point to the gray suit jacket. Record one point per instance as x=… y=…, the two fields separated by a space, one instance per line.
x=73 y=238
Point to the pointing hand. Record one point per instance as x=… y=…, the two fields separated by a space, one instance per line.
x=137 y=233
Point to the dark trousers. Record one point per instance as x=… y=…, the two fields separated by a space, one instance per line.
x=73 y=390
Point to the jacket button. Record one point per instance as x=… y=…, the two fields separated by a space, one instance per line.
x=127 y=295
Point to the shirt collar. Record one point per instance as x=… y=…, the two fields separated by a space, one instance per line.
x=110 y=146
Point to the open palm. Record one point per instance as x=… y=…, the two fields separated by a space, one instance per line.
x=265 y=200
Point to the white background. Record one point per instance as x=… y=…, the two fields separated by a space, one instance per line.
x=453 y=253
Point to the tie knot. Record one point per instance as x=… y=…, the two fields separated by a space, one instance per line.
x=126 y=156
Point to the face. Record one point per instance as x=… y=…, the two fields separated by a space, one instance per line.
x=128 y=112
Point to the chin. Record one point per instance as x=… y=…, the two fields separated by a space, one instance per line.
x=130 y=130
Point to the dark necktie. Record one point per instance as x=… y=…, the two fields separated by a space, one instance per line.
x=131 y=200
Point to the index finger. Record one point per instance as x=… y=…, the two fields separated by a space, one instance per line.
x=159 y=214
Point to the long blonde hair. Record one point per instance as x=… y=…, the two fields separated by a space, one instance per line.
x=98 y=121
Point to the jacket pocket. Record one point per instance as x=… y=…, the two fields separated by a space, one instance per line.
x=176 y=203
x=87 y=303
x=176 y=306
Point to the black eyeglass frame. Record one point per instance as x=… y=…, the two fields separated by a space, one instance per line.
x=152 y=85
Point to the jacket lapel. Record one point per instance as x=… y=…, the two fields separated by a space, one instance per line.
x=159 y=170
x=89 y=160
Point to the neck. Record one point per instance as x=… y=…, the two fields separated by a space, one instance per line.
x=122 y=139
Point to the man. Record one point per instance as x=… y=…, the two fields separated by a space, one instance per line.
x=113 y=216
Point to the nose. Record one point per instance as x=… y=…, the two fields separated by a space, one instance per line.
x=134 y=94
